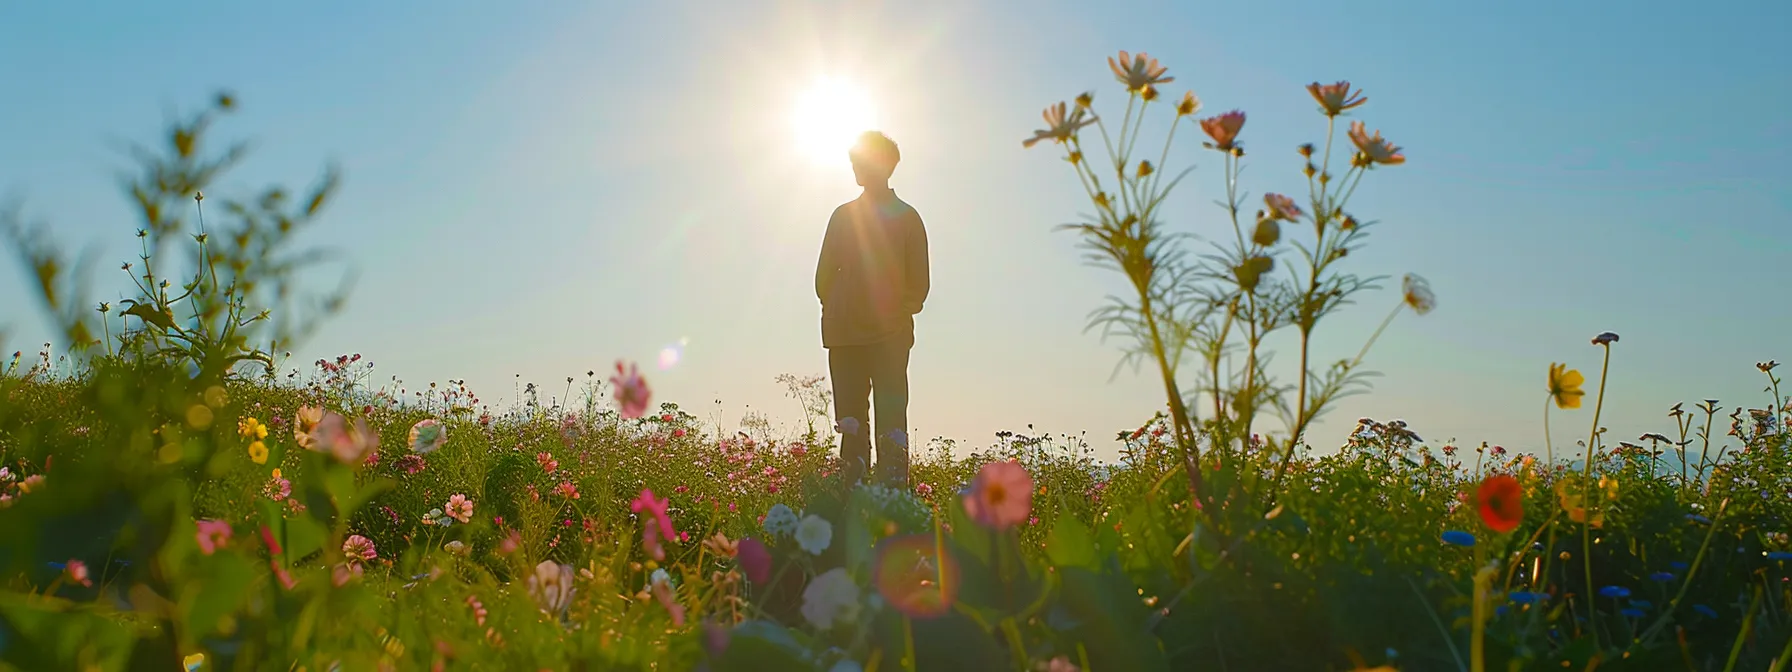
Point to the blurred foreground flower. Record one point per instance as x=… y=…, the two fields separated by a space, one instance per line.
x=552 y=587
x=632 y=393
x=213 y=535
x=428 y=435
x=814 y=534
x=1001 y=495
x=1500 y=499
x=348 y=444
x=755 y=560
x=831 y=598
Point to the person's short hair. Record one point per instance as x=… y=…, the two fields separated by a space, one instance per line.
x=877 y=149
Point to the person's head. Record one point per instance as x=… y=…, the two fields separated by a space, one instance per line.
x=874 y=157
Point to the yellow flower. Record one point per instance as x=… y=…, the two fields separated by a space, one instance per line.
x=193 y=662
x=1189 y=105
x=250 y=428
x=276 y=473
x=1564 y=386
x=258 y=452
x=1571 y=502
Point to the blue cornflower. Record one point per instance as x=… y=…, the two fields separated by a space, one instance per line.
x=1633 y=613
x=1698 y=518
x=1779 y=555
x=1641 y=604
x=1614 y=592
x=1458 y=538
x=1707 y=611
x=1499 y=610
x=1662 y=577
x=1528 y=597
x=1678 y=565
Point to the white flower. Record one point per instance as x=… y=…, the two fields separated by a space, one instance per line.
x=830 y=598
x=814 y=534
x=551 y=586
x=659 y=576
x=780 y=520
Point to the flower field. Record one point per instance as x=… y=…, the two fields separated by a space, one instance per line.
x=173 y=495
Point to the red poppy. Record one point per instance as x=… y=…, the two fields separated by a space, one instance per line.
x=1501 y=500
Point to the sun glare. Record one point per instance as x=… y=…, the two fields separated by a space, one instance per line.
x=829 y=117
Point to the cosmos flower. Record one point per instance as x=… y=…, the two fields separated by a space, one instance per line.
x=428 y=435
x=1564 y=386
x=632 y=393
x=755 y=560
x=213 y=535
x=552 y=587
x=1001 y=495
x=1375 y=149
x=460 y=508
x=1224 y=130
x=348 y=444
x=1138 y=72
x=1060 y=125
x=1335 y=98
x=359 y=549
x=1416 y=292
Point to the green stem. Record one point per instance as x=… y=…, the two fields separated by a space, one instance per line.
x=1748 y=622
x=1586 y=530
x=1548 y=444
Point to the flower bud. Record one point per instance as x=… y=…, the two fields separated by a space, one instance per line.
x=1267 y=233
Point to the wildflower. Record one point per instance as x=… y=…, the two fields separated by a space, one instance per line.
x=77 y=572
x=551 y=586
x=359 y=549
x=258 y=452
x=567 y=489
x=478 y=608
x=1138 y=72
x=1189 y=105
x=412 y=464
x=1632 y=612
x=1707 y=611
x=307 y=419
x=1605 y=338
x=1564 y=386
x=349 y=445
x=755 y=560
x=456 y=547
x=1779 y=555
x=657 y=507
x=1335 y=98
x=510 y=543
x=1374 y=148
x=1572 y=503
x=780 y=520
x=1416 y=292
x=32 y=482
x=460 y=508
x=831 y=598
x=1614 y=592
x=1224 y=130
x=1001 y=495
x=1767 y=366
x=923 y=489
x=1060 y=126
x=343 y=572
x=547 y=461
x=1281 y=207
x=848 y=426
x=1501 y=501
x=1678 y=565
x=428 y=435
x=720 y=546
x=250 y=428
x=1528 y=597
x=212 y=535
x=1458 y=538
x=632 y=393
x=663 y=591
x=814 y=534
x=914 y=577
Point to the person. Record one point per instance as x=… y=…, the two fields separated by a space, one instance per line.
x=872 y=278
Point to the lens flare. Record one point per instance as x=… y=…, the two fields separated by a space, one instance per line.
x=671 y=354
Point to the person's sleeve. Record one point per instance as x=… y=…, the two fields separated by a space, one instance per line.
x=826 y=264
x=915 y=294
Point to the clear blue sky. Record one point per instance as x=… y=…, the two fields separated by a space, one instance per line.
x=541 y=188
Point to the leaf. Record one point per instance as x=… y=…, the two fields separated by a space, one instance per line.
x=304 y=536
x=764 y=645
x=1110 y=621
x=1071 y=544
x=44 y=636
x=218 y=590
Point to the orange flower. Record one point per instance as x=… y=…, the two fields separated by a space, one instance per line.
x=1224 y=130
x=1501 y=501
x=1374 y=147
x=1335 y=98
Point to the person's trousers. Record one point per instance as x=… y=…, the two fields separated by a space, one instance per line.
x=862 y=374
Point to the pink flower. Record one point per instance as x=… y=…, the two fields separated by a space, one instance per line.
x=547 y=461
x=76 y=572
x=359 y=549
x=411 y=464
x=568 y=490
x=460 y=508
x=1001 y=496
x=755 y=560
x=343 y=572
x=923 y=489
x=213 y=535
x=657 y=507
x=662 y=590
x=511 y=542
x=632 y=393
x=348 y=444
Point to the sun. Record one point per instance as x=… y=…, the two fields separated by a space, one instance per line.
x=829 y=117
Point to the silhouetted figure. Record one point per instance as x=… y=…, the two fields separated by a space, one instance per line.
x=872 y=280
